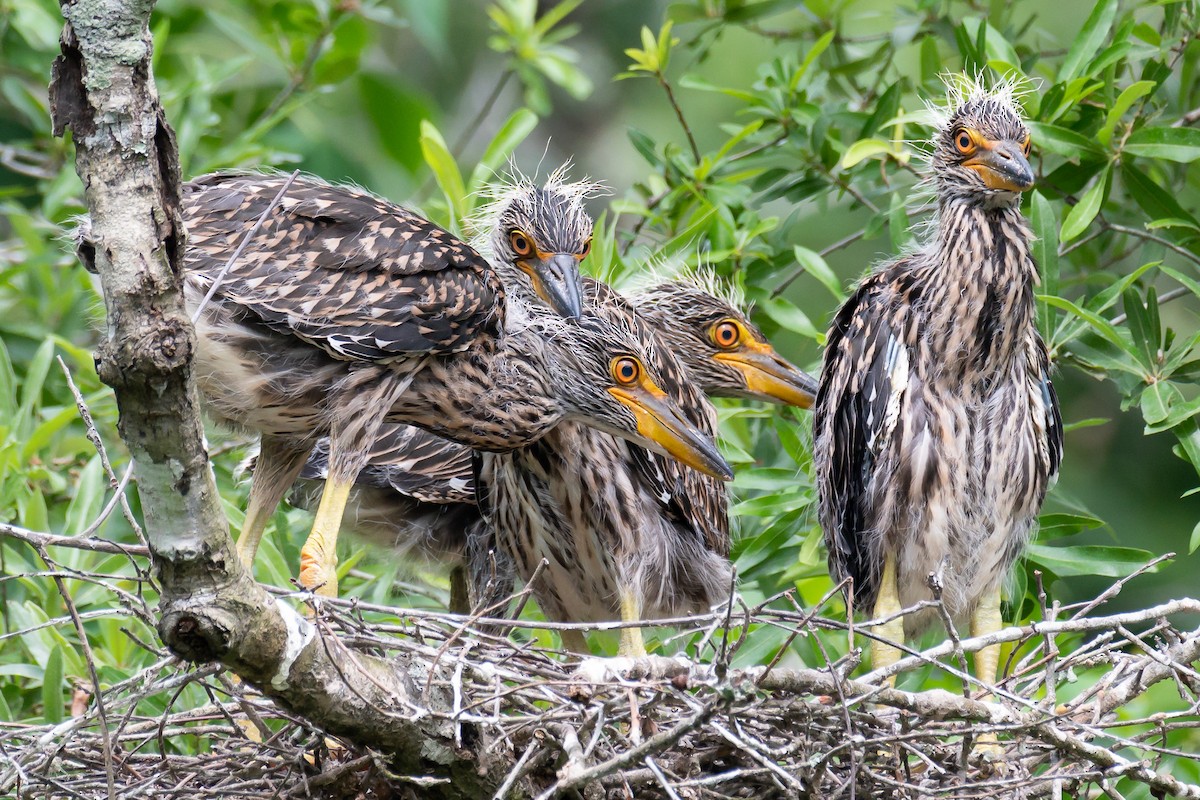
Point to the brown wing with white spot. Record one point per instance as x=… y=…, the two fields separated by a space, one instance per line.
x=355 y=275
x=862 y=386
x=412 y=462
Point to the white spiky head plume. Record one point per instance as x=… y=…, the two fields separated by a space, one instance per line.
x=552 y=209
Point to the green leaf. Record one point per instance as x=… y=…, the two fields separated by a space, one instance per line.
x=52 y=687
x=1156 y=402
x=1091 y=422
x=445 y=169
x=514 y=131
x=1091 y=35
x=898 y=227
x=787 y=316
x=8 y=386
x=1154 y=200
x=1081 y=215
x=1059 y=525
x=812 y=263
x=1098 y=323
x=1103 y=560
x=1063 y=141
x=1124 y=102
x=1045 y=249
x=1170 y=144
x=1143 y=325
x=864 y=149
x=1194 y=542
x=814 y=52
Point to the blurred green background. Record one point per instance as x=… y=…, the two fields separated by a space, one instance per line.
x=807 y=120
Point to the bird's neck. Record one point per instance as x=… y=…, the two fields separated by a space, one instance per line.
x=494 y=397
x=978 y=306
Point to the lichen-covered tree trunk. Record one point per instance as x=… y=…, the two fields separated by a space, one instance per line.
x=103 y=90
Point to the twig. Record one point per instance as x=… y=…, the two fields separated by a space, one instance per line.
x=655 y=744
x=666 y=85
x=237 y=253
x=89 y=657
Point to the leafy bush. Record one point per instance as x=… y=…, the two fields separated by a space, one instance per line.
x=789 y=183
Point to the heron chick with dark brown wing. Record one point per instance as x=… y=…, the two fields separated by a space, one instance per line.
x=937 y=430
x=346 y=311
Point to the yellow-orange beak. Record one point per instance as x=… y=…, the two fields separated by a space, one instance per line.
x=771 y=377
x=1002 y=166
x=664 y=430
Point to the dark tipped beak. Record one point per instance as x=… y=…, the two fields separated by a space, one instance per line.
x=662 y=428
x=1002 y=165
x=556 y=281
x=771 y=377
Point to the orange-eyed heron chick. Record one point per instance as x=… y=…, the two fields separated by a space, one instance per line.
x=635 y=519
x=937 y=430
x=346 y=311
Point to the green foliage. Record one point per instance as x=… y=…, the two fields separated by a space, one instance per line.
x=781 y=146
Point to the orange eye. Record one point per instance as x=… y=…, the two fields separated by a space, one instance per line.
x=726 y=334
x=626 y=370
x=1025 y=148
x=587 y=248
x=962 y=140
x=520 y=243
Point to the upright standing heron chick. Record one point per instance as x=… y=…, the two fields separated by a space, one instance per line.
x=937 y=430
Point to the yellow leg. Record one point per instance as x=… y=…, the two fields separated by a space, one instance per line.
x=318 y=557
x=887 y=603
x=276 y=469
x=632 y=644
x=985 y=620
x=257 y=516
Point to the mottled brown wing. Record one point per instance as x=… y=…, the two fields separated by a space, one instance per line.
x=690 y=498
x=412 y=462
x=355 y=275
x=861 y=388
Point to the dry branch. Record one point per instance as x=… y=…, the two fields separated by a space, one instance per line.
x=536 y=724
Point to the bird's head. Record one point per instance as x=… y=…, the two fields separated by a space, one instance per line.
x=544 y=232
x=723 y=351
x=600 y=373
x=981 y=152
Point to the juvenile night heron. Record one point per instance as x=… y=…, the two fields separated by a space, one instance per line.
x=346 y=311
x=937 y=430
x=657 y=533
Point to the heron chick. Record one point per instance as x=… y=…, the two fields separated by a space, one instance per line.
x=937 y=430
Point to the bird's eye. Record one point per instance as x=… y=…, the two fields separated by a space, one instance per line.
x=587 y=248
x=520 y=243
x=626 y=370
x=726 y=334
x=962 y=140
x=1025 y=148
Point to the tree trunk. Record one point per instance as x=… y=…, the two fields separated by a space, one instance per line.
x=211 y=609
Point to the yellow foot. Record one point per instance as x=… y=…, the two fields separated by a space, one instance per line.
x=319 y=574
x=991 y=755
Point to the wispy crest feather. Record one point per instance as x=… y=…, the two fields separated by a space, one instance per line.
x=702 y=277
x=515 y=187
